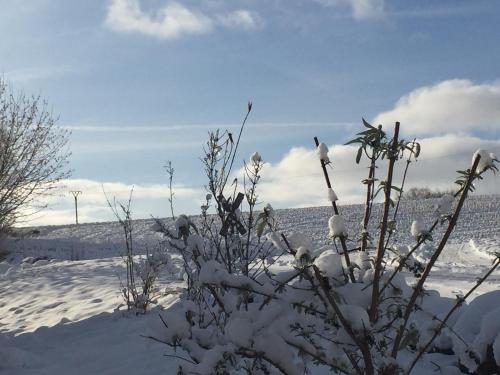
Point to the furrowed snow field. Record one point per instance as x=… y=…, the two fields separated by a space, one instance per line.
x=60 y=315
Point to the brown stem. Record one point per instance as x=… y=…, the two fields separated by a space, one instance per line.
x=366 y=219
x=336 y=211
x=251 y=353
x=320 y=357
x=360 y=343
x=396 y=210
x=420 y=285
x=383 y=226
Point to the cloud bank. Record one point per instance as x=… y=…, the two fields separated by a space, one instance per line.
x=445 y=114
x=448 y=106
x=294 y=181
x=297 y=180
x=360 y=9
x=147 y=200
x=173 y=20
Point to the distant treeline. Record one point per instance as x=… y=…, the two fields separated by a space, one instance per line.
x=424 y=193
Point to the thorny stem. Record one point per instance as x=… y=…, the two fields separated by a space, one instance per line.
x=458 y=303
x=336 y=210
x=383 y=226
x=434 y=257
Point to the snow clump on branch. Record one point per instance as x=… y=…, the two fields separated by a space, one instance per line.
x=322 y=152
x=330 y=264
x=487 y=160
x=332 y=197
x=445 y=204
x=337 y=226
x=255 y=158
x=417 y=229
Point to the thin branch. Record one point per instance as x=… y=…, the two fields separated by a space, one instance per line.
x=458 y=303
x=418 y=288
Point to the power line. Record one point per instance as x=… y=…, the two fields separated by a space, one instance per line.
x=76 y=193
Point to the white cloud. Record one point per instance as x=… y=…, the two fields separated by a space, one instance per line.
x=147 y=200
x=297 y=180
x=360 y=9
x=29 y=74
x=174 y=20
x=243 y=19
x=170 y=21
x=448 y=106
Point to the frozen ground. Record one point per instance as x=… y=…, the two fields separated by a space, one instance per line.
x=60 y=316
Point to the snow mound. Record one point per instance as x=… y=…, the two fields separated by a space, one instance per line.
x=478 y=325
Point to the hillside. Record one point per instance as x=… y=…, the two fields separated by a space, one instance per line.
x=60 y=315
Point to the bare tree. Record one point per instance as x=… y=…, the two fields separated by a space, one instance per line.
x=33 y=155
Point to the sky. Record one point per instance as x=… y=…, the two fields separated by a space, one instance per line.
x=141 y=82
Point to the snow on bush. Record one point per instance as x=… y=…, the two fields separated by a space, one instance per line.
x=417 y=229
x=349 y=310
x=255 y=158
x=332 y=197
x=486 y=160
x=140 y=290
x=329 y=264
x=477 y=331
x=322 y=152
x=337 y=226
x=445 y=204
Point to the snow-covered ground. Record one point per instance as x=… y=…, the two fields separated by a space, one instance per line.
x=61 y=316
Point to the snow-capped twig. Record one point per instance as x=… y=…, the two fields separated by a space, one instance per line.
x=336 y=211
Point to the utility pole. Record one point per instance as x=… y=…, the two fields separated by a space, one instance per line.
x=76 y=193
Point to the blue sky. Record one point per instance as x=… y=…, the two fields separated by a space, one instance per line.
x=141 y=81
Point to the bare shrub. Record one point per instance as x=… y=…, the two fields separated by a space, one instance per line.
x=33 y=155
x=142 y=271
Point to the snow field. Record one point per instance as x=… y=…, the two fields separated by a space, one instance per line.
x=59 y=316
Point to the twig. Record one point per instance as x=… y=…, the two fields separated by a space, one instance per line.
x=362 y=344
x=458 y=303
x=434 y=257
x=249 y=109
x=383 y=227
x=336 y=211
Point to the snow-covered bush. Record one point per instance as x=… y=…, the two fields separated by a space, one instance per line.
x=346 y=307
x=477 y=339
